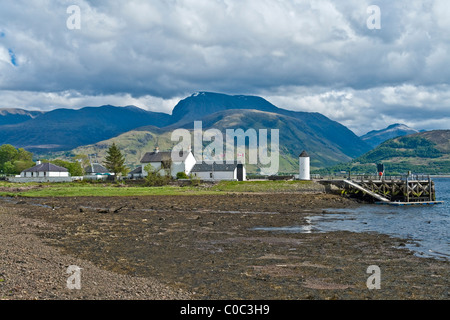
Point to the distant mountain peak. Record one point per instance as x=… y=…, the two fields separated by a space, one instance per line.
x=392 y=127
x=203 y=103
x=400 y=126
x=376 y=137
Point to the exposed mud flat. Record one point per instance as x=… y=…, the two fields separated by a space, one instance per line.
x=202 y=247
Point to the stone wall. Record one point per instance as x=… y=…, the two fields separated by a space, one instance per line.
x=39 y=179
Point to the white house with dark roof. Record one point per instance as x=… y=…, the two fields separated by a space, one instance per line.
x=219 y=172
x=163 y=161
x=43 y=172
x=186 y=162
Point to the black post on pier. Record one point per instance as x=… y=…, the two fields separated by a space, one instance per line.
x=407 y=188
x=430 y=188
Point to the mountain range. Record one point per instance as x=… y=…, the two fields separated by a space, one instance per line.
x=65 y=129
x=65 y=132
x=327 y=141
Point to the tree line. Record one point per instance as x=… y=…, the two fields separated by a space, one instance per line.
x=15 y=160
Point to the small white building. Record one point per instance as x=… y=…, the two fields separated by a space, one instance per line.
x=163 y=162
x=305 y=166
x=43 y=172
x=220 y=172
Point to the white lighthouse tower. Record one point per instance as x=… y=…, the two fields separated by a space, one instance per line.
x=305 y=163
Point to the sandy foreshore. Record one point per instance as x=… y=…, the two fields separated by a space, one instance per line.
x=200 y=247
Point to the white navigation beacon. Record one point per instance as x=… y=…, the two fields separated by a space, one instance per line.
x=305 y=162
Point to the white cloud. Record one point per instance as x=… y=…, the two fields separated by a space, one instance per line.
x=47 y=101
x=4 y=56
x=374 y=108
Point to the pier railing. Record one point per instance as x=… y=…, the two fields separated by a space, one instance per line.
x=365 y=177
x=411 y=177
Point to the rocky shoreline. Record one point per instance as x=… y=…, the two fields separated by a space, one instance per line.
x=200 y=247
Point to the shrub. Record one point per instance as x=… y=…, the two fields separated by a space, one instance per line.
x=182 y=175
x=155 y=179
x=195 y=181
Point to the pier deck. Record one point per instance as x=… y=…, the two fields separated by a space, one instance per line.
x=406 y=190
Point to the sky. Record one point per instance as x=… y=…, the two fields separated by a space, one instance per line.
x=363 y=68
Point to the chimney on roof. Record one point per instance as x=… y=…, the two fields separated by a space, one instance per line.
x=157 y=150
x=38 y=162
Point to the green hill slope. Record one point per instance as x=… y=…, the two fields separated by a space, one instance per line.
x=426 y=152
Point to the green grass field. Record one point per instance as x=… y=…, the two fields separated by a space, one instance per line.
x=123 y=190
x=265 y=186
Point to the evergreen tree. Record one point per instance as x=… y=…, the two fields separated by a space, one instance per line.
x=115 y=161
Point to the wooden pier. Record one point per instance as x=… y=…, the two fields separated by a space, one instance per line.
x=398 y=190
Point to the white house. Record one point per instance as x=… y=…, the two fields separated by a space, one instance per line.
x=43 y=172
x=163 y=162
x=218 y=172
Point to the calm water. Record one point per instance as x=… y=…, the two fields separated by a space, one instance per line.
x=426 y=226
